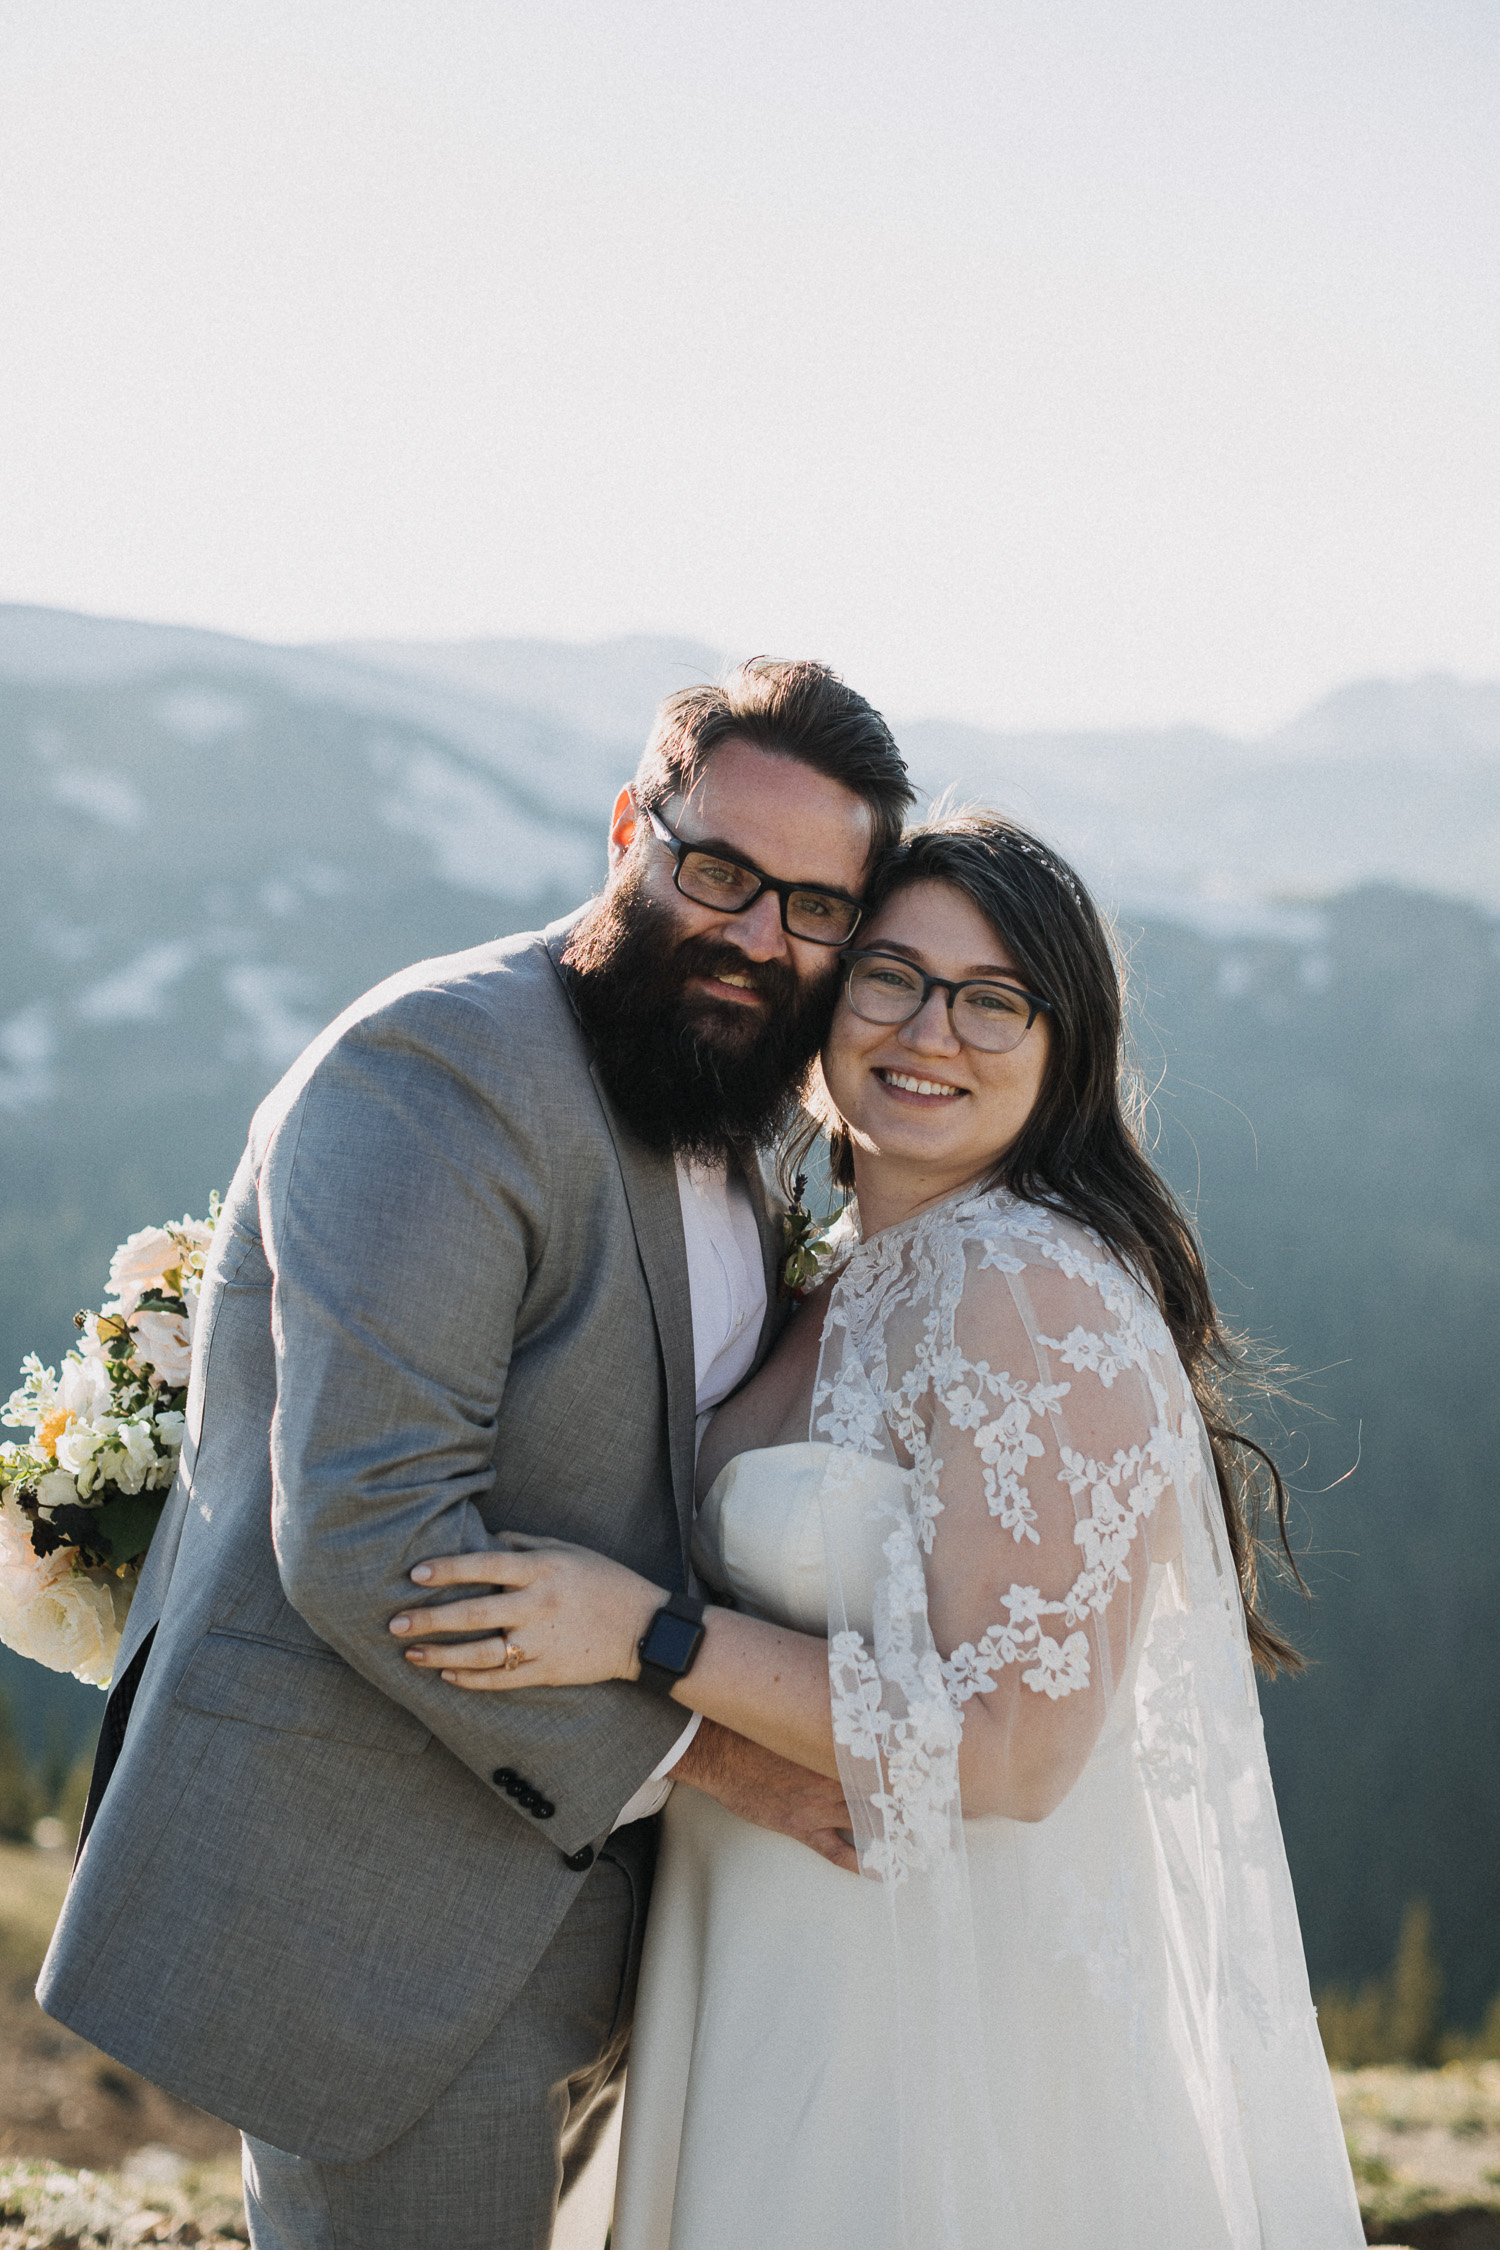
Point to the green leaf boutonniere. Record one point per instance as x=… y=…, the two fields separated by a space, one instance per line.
x=807 y=1246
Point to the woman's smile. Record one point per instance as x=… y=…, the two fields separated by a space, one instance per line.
x=906 y=1088
x=927 y=1112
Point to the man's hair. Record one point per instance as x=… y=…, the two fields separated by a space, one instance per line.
x=797 y=710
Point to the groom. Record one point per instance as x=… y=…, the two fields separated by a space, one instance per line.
x=493 y=1246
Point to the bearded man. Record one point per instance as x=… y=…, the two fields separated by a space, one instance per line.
x=498 y=1238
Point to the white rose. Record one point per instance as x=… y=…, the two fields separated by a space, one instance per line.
x=142 y=1261
x=85 y=1387
x=163 y=1342
x=70 y=1624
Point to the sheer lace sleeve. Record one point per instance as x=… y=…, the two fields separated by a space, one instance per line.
x=1026 y=1389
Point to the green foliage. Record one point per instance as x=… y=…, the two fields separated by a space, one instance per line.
x=20 y=1799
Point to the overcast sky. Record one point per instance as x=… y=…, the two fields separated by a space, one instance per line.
x=1070 y=361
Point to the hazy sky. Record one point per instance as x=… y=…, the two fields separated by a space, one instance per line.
x=1063 y=361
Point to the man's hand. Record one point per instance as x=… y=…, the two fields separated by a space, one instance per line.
x=771 y=1791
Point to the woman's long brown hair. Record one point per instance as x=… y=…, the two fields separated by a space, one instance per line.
x=1080 y=1151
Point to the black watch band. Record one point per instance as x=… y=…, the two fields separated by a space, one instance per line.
x=671 y=1642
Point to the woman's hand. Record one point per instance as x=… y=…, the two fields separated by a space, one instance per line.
x=566 y=1617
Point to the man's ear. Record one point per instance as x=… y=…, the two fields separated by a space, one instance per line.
x=622 y=826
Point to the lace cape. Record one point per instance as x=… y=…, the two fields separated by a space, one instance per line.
x=1050 y=1575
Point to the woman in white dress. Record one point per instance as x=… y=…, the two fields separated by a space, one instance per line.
x=982 y=1543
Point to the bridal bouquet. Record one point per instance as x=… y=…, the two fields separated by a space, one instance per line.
x=80 y=1497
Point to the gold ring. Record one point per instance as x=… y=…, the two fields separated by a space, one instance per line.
x=514 y=1656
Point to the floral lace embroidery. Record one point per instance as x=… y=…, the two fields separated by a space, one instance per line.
x=899 y=1703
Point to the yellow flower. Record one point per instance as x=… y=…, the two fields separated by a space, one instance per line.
x=49 y=1431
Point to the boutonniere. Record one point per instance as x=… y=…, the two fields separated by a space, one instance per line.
x=806 y=1246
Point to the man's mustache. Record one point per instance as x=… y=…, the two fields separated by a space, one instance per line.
x=771 y=981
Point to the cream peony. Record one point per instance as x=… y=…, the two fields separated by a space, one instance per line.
x=142 y=1262
x=70 y=1624
x=23 y=1572
x=164 y=1345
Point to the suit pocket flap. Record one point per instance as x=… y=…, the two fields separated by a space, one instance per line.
x=296 y=1691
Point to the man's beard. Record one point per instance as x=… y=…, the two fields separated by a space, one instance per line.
x=692 y=1076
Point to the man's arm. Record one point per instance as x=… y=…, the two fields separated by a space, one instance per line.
x=770 y=1791
x=401 y=1214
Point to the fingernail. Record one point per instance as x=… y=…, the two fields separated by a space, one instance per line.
x=451 y=1678
x=422 y=1573
x=415 y=1655
x=400 y=1624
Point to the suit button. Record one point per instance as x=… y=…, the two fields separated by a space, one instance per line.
x=578 y=1861
x=503 y=1776
x=543 y=1808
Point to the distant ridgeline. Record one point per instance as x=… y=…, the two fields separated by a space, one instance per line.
x=214 y=845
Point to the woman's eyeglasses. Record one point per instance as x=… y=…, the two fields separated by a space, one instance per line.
x=883 y=988
x=730 y=885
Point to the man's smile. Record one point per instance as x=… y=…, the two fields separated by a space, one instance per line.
x=734 y=985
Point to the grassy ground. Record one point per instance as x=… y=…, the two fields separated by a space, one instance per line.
x=1424 y=2142
x=93 y=2158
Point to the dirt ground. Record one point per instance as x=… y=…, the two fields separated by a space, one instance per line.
x=94 y=2158
x=59 y=2097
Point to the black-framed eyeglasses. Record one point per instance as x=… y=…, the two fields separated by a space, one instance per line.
x=885 y=988
x=729 y=885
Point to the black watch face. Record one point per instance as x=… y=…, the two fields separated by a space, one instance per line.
x=670 y=1642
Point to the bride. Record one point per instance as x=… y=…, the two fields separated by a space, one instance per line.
x=981 y=1541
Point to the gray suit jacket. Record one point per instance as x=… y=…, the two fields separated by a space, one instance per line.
x=448 y=1297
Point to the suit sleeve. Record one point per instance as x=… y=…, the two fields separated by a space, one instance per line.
x=401 y=1214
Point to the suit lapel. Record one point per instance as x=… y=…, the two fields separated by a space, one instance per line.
x=650 y=1181
x=656 y=1215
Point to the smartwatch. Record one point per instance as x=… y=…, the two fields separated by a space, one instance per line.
x=671 y=1643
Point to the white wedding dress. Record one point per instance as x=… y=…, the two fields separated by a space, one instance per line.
x=1090 y=2031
